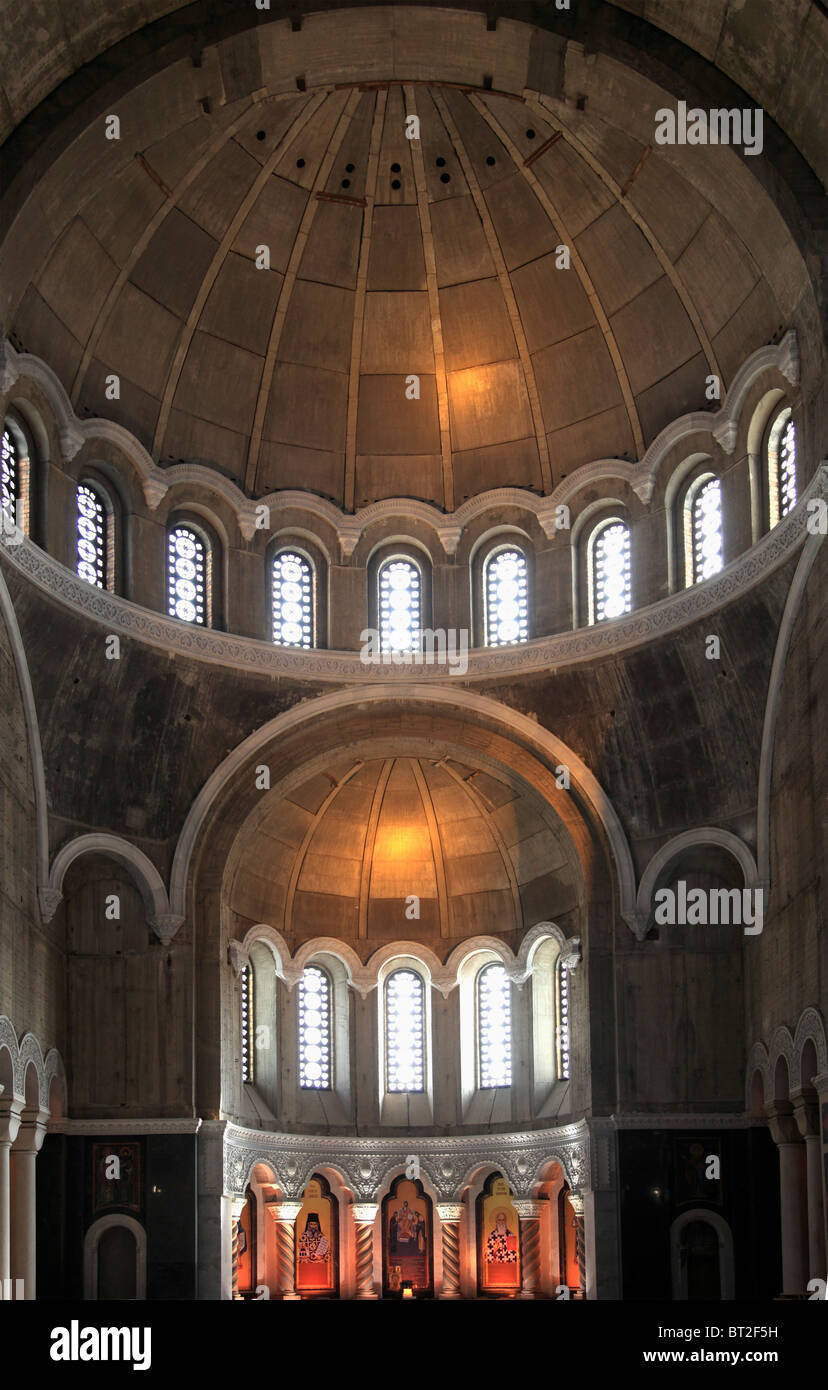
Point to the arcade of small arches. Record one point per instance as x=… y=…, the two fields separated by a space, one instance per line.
x=717 y=496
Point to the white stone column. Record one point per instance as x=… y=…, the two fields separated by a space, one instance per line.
x=10 y=1111
x=450 y=1214
x=24 y=1153
x=286 y=1214
x=529 y=1213
x=806 y=1113
x=365 y=1215
x=792 y=1197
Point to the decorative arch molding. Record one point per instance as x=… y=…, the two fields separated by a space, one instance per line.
x=727 y=1275
x=810 y=1028
x=91 y=1242
x=721 y=425
x=758 y=1061
x=781 y=1046
x=447 y=1166
x=547 y=931
x=147 y=878
x=537 y=739
x=705 y=836
x=28 y=1052
x=35 y=750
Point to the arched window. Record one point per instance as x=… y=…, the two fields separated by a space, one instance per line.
x=314 y=1030
x=494 y=1027
x=703 y=530
x=94 y=536
x=781 y=460
x=399 y=585
x=608 y=565
x=505 y=597
x=404 y=1032
x=188 y=576
x=292 y=599
x=14 y=475
x=562 y=1026
x=246 y=1023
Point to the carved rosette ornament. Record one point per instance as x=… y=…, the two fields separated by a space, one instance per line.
x=450 y=1214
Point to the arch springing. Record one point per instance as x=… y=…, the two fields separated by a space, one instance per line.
x=610 y=593
x=494 y=1027
x=292 y=599
x=404 y=1032
x=314 y=1029
x=188 y=576
x=400 y=603
x=506 y=597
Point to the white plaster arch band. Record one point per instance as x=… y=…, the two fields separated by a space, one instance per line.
x=28 y=1052
x=727 y=1279
x=721 y=425
x=141 y=869
x=33 y=738
x=91 y=1241
x=539 y=740
x=781 y=1048
x=810 y=1028
x=707 y=835
x=758 y=1061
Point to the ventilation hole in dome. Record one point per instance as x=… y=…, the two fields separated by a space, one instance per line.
x=349 y=168
x=445 y=178
x=530 y=134
x=395 y=183
x=490 y=159
x=440 y=162
x=395 y=168
x=260 y=134
x=346 y=183
x=300 y=164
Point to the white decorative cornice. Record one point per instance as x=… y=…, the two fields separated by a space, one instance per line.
x=554 y=653
x=722 y=426
x=658 y=1120
x=185 y=1125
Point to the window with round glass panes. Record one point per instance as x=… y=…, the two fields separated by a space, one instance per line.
x=91 y=525
x=506 y=596
x=292 y=600
x=781 y=462
x=188 y=596
x=404 y=1032
x=314 y=1030
x=609 y=572
x=400 y=599
x=9 y=474
x=705 y=541
x=494 y=1027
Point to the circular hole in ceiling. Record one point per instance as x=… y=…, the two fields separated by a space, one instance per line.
x=490 y=159
x=349 y=168
x=260 y=134
x=445 y=178
x=346 y=183
x=395 y=183
x=440 y=161
x=300 y=164
x=395 y=168
x=530 y=134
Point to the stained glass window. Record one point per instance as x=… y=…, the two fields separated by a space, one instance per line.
x=706 y=527
x=782 y=466
x=91 y=537
x=494 y=1027
x=404 y=1032
x=292 y=600
x=9 y=474
x=609 y=587
x=562 y=976
x=247 y=1026
x=400 y=600
x=506 y=592
x=314 y=1030
x=188 y=590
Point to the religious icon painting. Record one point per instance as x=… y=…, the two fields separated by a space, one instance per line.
x=317 y=1266
x=406 y=1239
x=116 y=1176
x=499 y=1236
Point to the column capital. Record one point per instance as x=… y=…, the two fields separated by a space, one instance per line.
x=365 y=1212
x=450 y=1211
x=527 y=1209
x=288 y=1211
x=237 y=1206
x=576 y=1201
x=10 y=1113
x=806 y=1114
x=820 y=1084
x=783 y=1126
x=32 y=1131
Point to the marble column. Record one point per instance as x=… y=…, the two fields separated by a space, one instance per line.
x=10 y=1112
x=792 y=1196
x=530 y=1214
x=576 y=1201
x=286 y=1215
x=450 y=1214
x=236 y=1211
x=365 y=1215
x=24 y=1153
x=806 y=1114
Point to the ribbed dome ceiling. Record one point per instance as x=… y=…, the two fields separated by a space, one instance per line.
x=341 y=854
x=390 y=258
